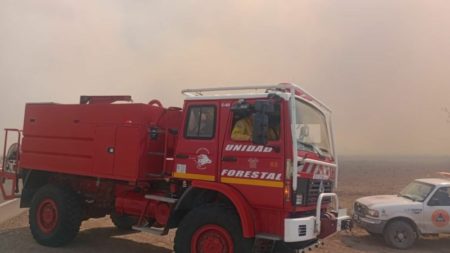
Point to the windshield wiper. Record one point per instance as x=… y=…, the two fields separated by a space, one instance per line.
x=314 y=147
x=406 y=196
x=324 y=150
x=328 y=152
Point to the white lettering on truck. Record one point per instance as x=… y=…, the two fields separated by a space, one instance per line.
x=251 y=174
x=248 y=148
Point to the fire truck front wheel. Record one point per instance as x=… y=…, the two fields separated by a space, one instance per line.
x=211 y=229
x=55 y=216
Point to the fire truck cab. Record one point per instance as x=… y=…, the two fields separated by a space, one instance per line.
x=234 y=170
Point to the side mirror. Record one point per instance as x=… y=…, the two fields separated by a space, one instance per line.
x=304 y=132
x=260 y=128
x=264 y=106
x=261 y=121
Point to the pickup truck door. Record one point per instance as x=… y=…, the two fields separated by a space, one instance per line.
x=436 y=215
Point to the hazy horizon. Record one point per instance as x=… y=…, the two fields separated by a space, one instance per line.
x=382 y=66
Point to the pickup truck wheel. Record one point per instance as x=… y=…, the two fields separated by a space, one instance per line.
x=211 y=229
x=400 y=235
x=55 y=216
x=122 y=221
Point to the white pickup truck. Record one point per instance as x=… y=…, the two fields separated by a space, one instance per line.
x=421 y=208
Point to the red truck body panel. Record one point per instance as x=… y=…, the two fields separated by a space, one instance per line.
x=97 y=140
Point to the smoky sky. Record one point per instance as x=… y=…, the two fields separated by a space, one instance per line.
x=383 y=66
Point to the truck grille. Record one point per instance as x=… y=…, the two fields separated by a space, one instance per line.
x=310 y=190
x=302 y=230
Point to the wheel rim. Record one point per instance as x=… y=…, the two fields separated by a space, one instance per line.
x=400 y=236
x=211 y=239
x=47 y=215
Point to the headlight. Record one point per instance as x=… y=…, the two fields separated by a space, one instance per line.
x=373 y=213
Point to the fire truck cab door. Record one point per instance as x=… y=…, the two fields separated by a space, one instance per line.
x=255 y=170
x=196 y=152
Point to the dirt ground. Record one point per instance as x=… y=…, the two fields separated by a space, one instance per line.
x=358 y=177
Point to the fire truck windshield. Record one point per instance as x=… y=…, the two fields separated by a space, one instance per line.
x=311 y=129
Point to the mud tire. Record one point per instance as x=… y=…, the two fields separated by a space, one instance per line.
x=55 y=216
x=218 y=216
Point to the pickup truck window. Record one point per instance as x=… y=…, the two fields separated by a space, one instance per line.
x=440 y=197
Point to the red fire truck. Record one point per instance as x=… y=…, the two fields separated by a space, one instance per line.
x=242 y=169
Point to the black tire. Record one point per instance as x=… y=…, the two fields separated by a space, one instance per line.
x=211 y=215
x=67 y=216
x=400 y=234
x=122 y=221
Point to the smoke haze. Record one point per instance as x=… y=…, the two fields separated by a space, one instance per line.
x=383 y=66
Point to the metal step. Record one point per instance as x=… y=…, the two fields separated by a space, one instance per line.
x=161 y=198
x=151 y=230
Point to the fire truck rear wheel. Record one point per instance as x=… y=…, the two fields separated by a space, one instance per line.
x=122 y=221
x=211 y=229
x=400 y=234
x=55 y=216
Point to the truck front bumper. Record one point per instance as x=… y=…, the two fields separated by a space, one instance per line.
x=375 y=226
x=308 y=228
